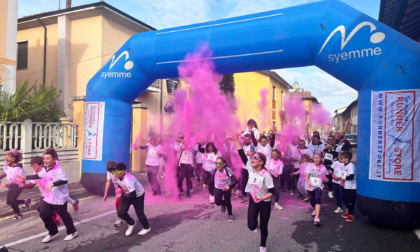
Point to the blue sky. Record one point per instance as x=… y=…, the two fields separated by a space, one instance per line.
x=171 y=13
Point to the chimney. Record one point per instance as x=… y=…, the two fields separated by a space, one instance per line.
x=68 y=4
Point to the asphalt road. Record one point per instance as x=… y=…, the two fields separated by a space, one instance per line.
x=196 y=225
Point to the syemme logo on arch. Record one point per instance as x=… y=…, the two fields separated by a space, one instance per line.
x=127 y=66
x=375 y=38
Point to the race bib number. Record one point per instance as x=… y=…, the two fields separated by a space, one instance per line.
x=328 y=156
x=337 y=173
x=315 y=181
x=343 y=174
x=255 y=179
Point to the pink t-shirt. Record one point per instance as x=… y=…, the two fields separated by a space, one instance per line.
x=42 y=183
x=275 y=167
x=12 y=173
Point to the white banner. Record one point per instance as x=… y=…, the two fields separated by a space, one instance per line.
x=395 y=136
x=93 y=130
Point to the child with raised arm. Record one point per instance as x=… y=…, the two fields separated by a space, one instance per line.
x=133 y=194
x=110 y=166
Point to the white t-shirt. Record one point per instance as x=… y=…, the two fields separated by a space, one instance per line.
x=258 y=182
x=129 y=184
x=209 y=161
x=247 y=149
x=256 y=134
x=316 y=148
x=221 y=179
x=58 y=195
x=274 y=166
x=152 y=158
x=350 y=169
x=199 y=157
x=338 y=168
x=186 y=156
x=42 y=185
x=316 y=176
x=13 y=172
x=297 y=153
x=266 y=150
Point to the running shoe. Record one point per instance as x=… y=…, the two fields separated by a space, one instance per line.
x=70 y=237
x=313 y=213
x=230 y=218
x=263 y=249
x=18 y=216
x=306 y=198
x=345 y=215
x=257 y=230
x=223 y=208
x=277 y=206
x=188 y=194
x=338 y=210
x=76 y=205
x=48 y=238
x=28 y=203
x=350 y=218
x=330 y=195
x=118 y=222
x=130 y=229
x=145 y=231
x=317 y=221
x=179 y=196
x=212 y=199
x=291 y=193
x=243 y=199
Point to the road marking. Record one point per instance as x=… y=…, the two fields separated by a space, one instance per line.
x=417 y=232
x=34 y=211
x=60 y=228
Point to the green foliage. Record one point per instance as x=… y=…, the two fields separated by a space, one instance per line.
x=40 y=104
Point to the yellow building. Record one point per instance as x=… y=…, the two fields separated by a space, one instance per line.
x=247 y=92
x=65 y=48
x=8 y=24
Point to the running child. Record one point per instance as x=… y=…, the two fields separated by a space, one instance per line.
x=210 y=156
x=301 y=184
x=133 y=195
x=110 y=166
x=275 y=168
x=336 y=171
x=12 y=170
x=349 y=185
x=316 y=173
x=225 y=181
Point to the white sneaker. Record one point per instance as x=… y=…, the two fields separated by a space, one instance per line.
x=212 y=199
x=118 y=222
x=48 y=238
x=291 y=193
x=277 y=206
x=330 y=195
x=257 y=230
x=129 y=230
x=145 y=231
x=70 y=236
x=338 y=210
x=263 y=249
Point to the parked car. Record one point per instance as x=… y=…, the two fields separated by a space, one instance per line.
x=352 y=139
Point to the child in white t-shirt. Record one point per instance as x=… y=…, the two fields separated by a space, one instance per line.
x=110 y=166
x=349 y=185
x=133 y=194
x=224 y=181
x=301 y=184
x=275 y=168
x=337 y=172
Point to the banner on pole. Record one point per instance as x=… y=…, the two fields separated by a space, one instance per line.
x=395 y=136
x=93 y=130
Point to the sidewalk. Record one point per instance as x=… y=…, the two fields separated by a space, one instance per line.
x=76 y=191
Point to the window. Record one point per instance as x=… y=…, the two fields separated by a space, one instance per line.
x=22 y=55
x=274 y=94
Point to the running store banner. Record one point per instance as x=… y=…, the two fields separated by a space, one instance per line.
x=395 y=136
x=93 y=130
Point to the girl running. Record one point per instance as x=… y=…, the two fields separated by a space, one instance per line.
x=261 y=188
x=316 y=173
x=110 y=178
x=210 y=156
x=252 y=127
x=12 y=170
x=275 y=168
x=301 y=185
x=225 y=181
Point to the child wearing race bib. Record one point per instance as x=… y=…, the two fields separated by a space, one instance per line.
x=301 y=184
x=261 y=188
x=349 y=185
x=337 y=170
x=12 y=170
x=210 y=156
x=224 y=181
x=316 y=173
x=110 y=166
x=275 y=168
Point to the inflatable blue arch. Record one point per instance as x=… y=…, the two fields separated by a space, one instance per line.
x=377 y=61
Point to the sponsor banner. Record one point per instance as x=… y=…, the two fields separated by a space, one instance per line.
x=395 y=136
x=93 y=130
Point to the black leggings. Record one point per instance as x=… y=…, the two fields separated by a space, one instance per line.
x=198 y=170
x=184 y=171
x=349 y=199
x=264 y=210
x=138 y=204
x=244 y=180
x=12 y=195
x=209 y=181
x=276 y=182
x=46 y=211
x=315 y=196
x=285 y=178
x=330 y=183
x=338 y=194
x=219 y=194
